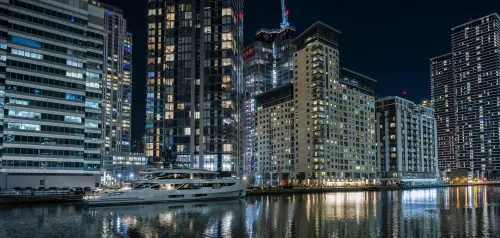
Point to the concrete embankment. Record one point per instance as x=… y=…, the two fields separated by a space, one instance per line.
x=24 y=199
x=276 y=191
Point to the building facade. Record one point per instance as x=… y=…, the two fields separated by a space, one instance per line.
x=117 y=85
x=258 y=76
x=475 y=95
x=268 y=64
x=51 y=70
x=193 y=106
x=123 y=166
x=274 y=137
x=406 y=141
x=334 y=113
x=443 y=101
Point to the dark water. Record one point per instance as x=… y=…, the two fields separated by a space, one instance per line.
x=446 y=212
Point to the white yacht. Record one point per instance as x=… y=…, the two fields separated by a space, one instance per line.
x=175 y=185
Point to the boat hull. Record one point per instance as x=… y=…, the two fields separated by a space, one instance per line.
x=151 y=196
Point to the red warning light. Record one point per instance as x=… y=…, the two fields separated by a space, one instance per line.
x=287 y=11
x=240 y=15
x=404 y=92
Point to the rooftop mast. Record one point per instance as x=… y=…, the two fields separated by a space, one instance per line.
x=284 y=14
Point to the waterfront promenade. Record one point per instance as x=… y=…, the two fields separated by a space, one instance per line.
x=78 y=199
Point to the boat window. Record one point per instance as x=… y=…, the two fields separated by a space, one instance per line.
x=143 y=185
x=155 y=187
x=199 y=195
x=216 y=186
x=175 y=196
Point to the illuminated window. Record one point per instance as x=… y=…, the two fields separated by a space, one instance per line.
x=226 y=78
x=226 y=104
x=227 y=36
x=227 y=61
x=227 y=147
x=393 y=125
x=227 y=12
x=170 y=98
x=227 y=45
x=394 y=155
x=170 y=16
x=180 y=106
x=180 y=148
x=169 y=49
x=169 y=115
x=152 y=12
x=169 y=57
x=393 y=137
x=187 y=131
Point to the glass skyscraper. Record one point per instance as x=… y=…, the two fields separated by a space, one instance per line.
x=117 y=85
x=195 y=83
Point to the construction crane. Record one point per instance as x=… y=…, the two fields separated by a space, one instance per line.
x=284 y=14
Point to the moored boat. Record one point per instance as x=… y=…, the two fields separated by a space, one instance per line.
x=174 y=185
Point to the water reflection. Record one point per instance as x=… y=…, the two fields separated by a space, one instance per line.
x=447 y=212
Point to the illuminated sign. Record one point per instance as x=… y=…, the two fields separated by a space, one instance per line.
x=248 y=53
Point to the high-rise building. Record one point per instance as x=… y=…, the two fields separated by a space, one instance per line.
x=258 y=76
x=268 y=64
x=274 y=137
x=406 y=140
x=443 y=101
x=195 y=83
x=117 y=85
x=51 y=70
x=331 y=137
x=473 y=96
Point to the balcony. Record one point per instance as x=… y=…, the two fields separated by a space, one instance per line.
x=318 y=66
x=318 y=78
x=319 y=84
x=319 y=90
x=319 y=142
x=318 y=59
x=319 y=96
x=316 y=47
x=317 y=72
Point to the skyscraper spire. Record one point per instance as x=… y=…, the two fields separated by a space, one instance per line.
x=284 y=14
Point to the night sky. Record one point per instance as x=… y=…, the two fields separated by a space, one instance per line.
x=390 y=41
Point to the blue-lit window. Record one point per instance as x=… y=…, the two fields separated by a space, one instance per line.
x=91 y=125
x=74 y=63
x=3 y=46
x=37 y=91
x=151 y=74
x=3 y=57
x=127 y=66
x=74 y=97
x=27 y=42
x=92 y=105
x=149 y=125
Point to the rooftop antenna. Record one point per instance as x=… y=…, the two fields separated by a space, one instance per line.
x=284 y=14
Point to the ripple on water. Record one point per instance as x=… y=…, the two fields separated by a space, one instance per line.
x=444 y=212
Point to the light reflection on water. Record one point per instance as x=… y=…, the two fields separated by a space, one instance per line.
x=445 y=212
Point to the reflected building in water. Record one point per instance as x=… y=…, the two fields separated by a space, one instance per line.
x=445 y=212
